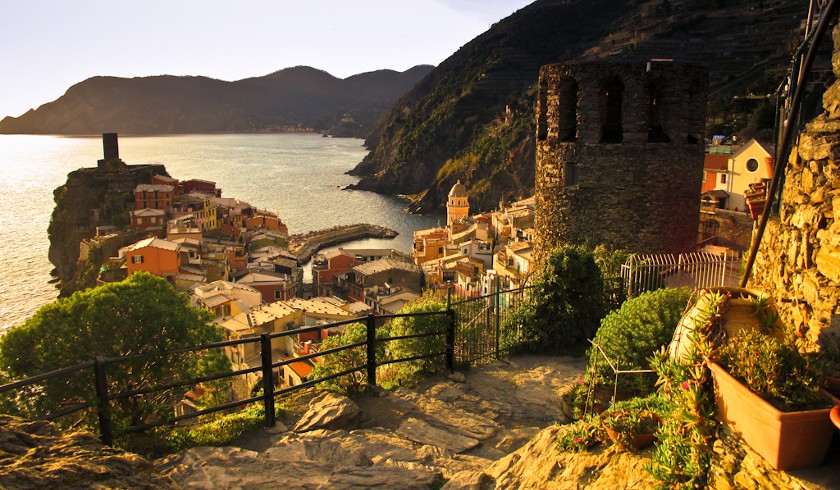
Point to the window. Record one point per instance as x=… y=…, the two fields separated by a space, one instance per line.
x=278 y=294
x=722 y=178
x=440 y=250
x=136 y=259
x=571 y=174
x=752 y=164
x=567 y=110
x=612 y=130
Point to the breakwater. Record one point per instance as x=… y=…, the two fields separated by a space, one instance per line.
x=305 y=245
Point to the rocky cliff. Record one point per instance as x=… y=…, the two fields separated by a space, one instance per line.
x=472 y=117
x=92 y=197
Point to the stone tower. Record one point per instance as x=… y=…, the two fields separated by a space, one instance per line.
x=457 y=205
x=619 y=155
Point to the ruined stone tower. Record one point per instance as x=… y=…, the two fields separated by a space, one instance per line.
x=619 y=155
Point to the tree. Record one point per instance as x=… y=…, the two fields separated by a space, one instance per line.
x=418 y=346
x=567 y=302
x=337 y=362
x=141 y=315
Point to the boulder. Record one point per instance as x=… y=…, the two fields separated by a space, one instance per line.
x=329 y=411
x=35 y=454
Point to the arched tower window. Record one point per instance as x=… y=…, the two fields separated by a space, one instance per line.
x=612 y=130
x=696 y=100
x=656 y=114
x=542 y=111
x=567 y=92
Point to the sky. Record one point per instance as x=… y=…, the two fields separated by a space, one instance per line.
x=46 y=46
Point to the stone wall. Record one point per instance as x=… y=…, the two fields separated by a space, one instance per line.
x=619 y=155
x=799 y=257
x=732 y=229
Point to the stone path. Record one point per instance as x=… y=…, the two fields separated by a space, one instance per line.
x=408 y=438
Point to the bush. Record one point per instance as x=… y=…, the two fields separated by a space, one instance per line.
x=219 y=432
x=567 y=301
x=420 y=346
x=337 y=362
x=633 y=333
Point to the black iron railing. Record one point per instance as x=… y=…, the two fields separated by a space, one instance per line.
x=471 y=330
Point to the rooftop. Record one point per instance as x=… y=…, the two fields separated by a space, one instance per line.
x=153 y=188
x=385 y=264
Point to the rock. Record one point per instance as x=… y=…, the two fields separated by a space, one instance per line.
x=38 y=455
x=470 y=480
x=328 y=411
x=539 y=464
x=424 y=433
x=441 y=414
x=457 y=377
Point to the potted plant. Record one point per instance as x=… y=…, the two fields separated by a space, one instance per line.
x=831 y=355
x=631 y=428
x=769 y=394
x=756 y=199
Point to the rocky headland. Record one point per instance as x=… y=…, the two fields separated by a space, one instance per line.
x=91 y=198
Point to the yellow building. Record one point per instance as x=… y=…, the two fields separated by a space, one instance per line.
x=458 y=204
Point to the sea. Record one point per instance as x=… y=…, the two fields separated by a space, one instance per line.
x=300 y=176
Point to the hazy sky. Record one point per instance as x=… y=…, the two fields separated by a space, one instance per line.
x=49 y=45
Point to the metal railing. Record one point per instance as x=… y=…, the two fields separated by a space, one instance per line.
x=485 y=327
x=642 y=273
x=105 y=394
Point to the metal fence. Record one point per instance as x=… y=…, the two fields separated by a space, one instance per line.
x=643 y=273
x=96 y=396
x=486 y=327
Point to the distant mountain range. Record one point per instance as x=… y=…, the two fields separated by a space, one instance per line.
x=290 y=99
x=472 y=117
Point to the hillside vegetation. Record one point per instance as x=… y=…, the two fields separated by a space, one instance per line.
x=291 y=99
x=472 y=118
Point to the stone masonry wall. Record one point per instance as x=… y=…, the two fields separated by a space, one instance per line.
x=619 y=155
x=799 y=257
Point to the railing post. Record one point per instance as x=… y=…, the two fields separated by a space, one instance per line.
x=450 y=340
x=103 y=408
x=496 y=305
x=268 y=379
x=371 y=349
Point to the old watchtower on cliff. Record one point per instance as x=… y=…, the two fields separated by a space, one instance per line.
x=619 y=155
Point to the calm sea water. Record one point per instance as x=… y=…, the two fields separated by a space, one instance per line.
x=299 y=176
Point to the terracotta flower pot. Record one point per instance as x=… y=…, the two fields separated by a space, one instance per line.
x=835 y=415
x=640 y=440
x=787 y=440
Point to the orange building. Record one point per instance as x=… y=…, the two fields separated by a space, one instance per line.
x=153 y=196
x=155 y=256
x=266 y=222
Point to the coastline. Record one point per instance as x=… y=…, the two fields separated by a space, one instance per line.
x=304 y=246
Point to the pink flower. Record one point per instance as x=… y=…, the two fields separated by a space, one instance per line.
x=577 y=440
x=684 y=385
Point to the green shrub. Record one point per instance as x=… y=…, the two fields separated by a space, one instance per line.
x=404 y=348
x=632 y=334
x=219 y=432
x=337 y=362
x=566 y=302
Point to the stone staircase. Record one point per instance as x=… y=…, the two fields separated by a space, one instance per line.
x=409 y=438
